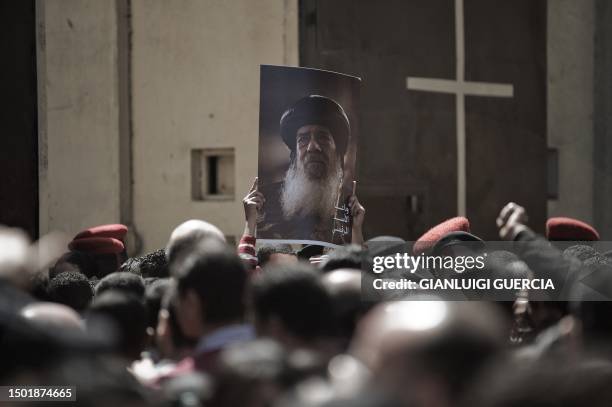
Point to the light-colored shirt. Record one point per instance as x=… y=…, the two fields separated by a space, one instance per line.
x=224 y=336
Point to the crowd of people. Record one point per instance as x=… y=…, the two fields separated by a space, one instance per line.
x=201 y=323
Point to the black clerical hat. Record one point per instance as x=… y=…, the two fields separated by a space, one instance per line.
x=316 y=109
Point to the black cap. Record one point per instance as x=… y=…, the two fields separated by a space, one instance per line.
x=462 y=238
x=315 y=109
x=309 y=251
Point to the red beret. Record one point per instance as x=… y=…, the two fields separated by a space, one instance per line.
x=115 y=231
x=429 y=238
x=570 y=229
x=97 y=245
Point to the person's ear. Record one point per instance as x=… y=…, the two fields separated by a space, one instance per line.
x=191 y=315
x=192 y=301
x=163 y=339
x=162 y=323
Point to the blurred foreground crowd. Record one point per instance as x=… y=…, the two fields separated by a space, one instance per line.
x=200 y=323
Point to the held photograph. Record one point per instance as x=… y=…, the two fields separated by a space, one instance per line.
x=306 y=203
x=308 y=135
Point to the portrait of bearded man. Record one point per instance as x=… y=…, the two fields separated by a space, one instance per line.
x=303 y=205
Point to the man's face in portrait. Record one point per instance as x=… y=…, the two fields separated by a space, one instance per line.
x=316 y=151
x=311 y=183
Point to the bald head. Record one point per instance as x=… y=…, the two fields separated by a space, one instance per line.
x=190 y=233
x=52 y=315
x=402 y=326
x=344 y=288
x=435 y=346
x=14 y=253
x=343 y=280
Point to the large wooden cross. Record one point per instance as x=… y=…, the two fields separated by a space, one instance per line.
x=460 y=87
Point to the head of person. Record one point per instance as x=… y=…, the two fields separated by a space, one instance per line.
x=572 y=383
x=188 y=234
x=270 y=255
x=458 y=243
x=39 y=285
x=582 y=252
x=70 y=288
x=107 y=253
x=14 y=256
x=429 y=239
x=315 y=150
x=344 y=288
x=567 y=229
x=316 y=130
x=344 y=257
x=191 y=388
x=427 y=352
x=211 y=281
x=122 y=281
x=505 y=265
x=81 y=262
x=169 y=338
x=53 y=315
x=155 y=289
x=125 y=316
x=291 y=305
x=100 y=381
x=152 y=264
x=251 y=374
x=593 y=306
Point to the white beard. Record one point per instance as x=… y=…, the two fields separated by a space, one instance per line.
x=302 y=196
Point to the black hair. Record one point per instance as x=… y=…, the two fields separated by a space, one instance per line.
x=154 y=292
x=546 y=383
x=168 y=303
x=310 y=250
x=129 y=316
x=99 y=382
x=581 y=251
x=217 y=276
x=39 y=285
x=345 y=257
x=70 y=288
x=265 y=252
x=593 y=292
x=295 y=295
x=122 y=281
x=347 y=302
x=248 y=372
x=152 y=264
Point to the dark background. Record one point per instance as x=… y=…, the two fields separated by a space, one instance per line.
x=406 y=162
x=18 y=116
